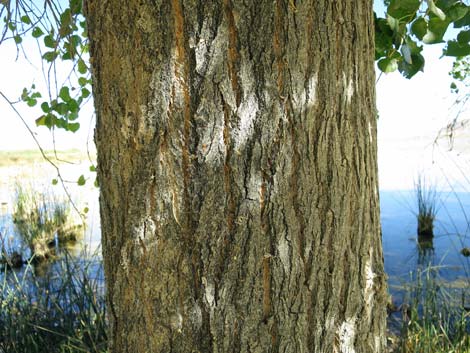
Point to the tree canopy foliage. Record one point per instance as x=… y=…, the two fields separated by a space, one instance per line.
x=408 y=24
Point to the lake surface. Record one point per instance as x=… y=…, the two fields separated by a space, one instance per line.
x=403 y=254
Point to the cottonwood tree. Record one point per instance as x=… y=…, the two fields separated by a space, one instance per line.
x=237 y=160
x=238 y=175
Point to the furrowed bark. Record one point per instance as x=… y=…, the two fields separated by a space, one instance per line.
x=238 y=175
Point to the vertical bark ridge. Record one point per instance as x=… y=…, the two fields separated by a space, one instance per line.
x=239 y=186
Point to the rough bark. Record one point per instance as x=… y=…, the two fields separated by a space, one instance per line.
x=238 y=175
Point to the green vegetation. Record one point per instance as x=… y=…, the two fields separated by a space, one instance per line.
x=61 y=311
x=40 y=219
x=435 y=318
x=427 y=199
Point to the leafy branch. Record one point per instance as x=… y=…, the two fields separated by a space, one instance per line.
x=410 y=23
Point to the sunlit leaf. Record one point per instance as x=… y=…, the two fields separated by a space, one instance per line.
x=457 y=11
x=73 y=106
x=37 y=32
x=85 y=93
x=82 y=81
x=81 y=180
x=403 y=10
x=82 y=68
x=26 y=19
x=31 y=102
x=76 y=6
x=50 y=56
x=73 y=127
x=436 y=30
x=49 y=41
x=64 y=94
x=45 y=107
x=436 y=10
x=388 y=65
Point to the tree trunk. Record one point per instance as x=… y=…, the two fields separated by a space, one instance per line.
x=238 y=175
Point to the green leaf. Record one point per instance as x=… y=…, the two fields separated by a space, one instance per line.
x=383 y=38
x=403 y=10
x=73 y=127
x=67 y=56
x=24 y=94
x=436 y=10
x=85 y=93
x=82 y=68
x=17 y=38
x=456 y=12
x=65 y=23
x=463 y=37
x=61 y=108
x=445 y=4
x=92 y=168
x=37 y=32
x=82 y=81
x=81 y=180
x=31 y=102
x=96 y=183
x=41 y=121
x=26 y=19
x=436 y=30
x=50 y=56
x=388 y=65
x=49 y=41
x=72 y=116
x=64 y=94
x=413 y=46
x=454 y=48
x=76 y=40
x=464 y=21
x=411 y=68
x=76 y=6
x=54 y=181
x=86 y=210
x=46 y=120
x=419 y=28
x=45 y=107
x=62 y=123
x=73 y=106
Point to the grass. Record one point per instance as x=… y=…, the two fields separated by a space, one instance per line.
x=39 y=218
x=59 y=311
x=427 y=199
x=435 y=319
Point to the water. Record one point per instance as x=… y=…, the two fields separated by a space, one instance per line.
x=403 y=255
